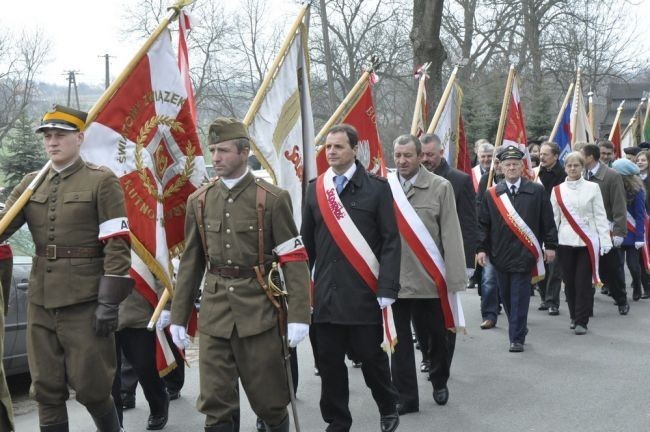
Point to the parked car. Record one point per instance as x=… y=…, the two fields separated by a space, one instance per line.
x=15 y=339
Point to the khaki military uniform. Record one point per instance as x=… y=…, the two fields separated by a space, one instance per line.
x=6 y=409
x=239 y=338
x=72 y=208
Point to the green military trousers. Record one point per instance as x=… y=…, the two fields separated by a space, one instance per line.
x=255 y=360
x=63 y=351
x=6 y=410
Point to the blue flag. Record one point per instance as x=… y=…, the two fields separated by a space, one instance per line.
x=563 y=137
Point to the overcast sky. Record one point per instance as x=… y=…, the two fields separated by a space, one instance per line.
x=80 y=31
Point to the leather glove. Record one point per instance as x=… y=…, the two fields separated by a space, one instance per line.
x=469 y=272
x=179 y=336
x=605 y=250
x=112 y=290
x=385 y=301
x=296 y=332
x=164 y=319
x=617 y=241
x=638 y=245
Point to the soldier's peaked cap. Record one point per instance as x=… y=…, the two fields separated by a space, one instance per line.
x=62 y=117
x=226 y=129
x=511 y=152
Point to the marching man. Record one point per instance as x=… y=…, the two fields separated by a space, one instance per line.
x=351 y=236
x=515 y=219
x=432 y=272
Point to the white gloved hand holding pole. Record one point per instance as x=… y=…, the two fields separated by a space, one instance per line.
x=385 y=302
x=164 y=319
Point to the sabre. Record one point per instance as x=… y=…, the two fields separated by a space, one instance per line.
x=277 y=287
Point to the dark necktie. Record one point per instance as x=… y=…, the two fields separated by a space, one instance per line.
x=513 y=190
x=590 y=175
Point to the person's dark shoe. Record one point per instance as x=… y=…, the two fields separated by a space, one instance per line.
x=259 y=425
x=282 y=427
x=128 y=401
x=356 y=364
x=173 y=394
x=59 y=427
x=553 y=310
x=636 y=297
x=516 y=347
x=543 y=306
x=623 y=309
x=441 y=395
x=425 y=366
x=158 y=421
x=645 y=295
x=487 y=324
x=407 y=408
x=604 y=290
x=572 y=325
x=389 y=423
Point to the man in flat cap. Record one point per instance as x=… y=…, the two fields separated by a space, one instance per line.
x=236 y=227
x=77 y=218
x=515 y=222
x=631 y=153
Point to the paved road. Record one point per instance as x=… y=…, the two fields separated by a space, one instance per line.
x=598 y=382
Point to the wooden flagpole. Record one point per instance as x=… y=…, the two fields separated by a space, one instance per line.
x=22 y=200
x=592 y=115
x=417 y=112
x=558 y=120
x=443 y=101
x=617 y=119
x=502 y=121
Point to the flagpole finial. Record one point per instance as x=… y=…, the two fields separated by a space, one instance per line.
x=373 y=63
x=180 y=4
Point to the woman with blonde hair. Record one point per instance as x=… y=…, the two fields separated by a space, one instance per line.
x=635 y=238
x=583 y=235
x=643 y=162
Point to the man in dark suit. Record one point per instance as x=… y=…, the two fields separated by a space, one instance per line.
x=347 y=301
x=516 y=221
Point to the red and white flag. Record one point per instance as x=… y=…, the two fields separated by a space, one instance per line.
x=360 y=114
x=615 y=138
x=515 y=129
x=451 y=131
x=147 y=135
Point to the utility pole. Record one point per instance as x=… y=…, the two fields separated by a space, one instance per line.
x=72 y=82
x=107 y=81
x=328 y=55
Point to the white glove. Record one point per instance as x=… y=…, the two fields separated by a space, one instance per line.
x=469 y=272
x=605 y=250
x=179 y=336
x=638 y=245
x=295 y=333
x=617 y=241
x=164 y=319
x=385 y=302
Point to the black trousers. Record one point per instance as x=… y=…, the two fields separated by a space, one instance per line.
x=138 y=346
x=631 y=255
x=551 y=285
x=173 y=381
x=363 y=341
x=427 y=314
x=576 y=271
x=611 y=274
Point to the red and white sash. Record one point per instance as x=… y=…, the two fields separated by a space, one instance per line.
x=521 y=230
x=536 y=175
x=419 y=239
x=353 y=245
x=476 y=176
x=645 y=253
x=590 y=239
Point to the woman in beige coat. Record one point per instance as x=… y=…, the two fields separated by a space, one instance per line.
x=583 y=200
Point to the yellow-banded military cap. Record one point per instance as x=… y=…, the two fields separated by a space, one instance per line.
x=65 y=118
x=510 y=152
x=226 y=129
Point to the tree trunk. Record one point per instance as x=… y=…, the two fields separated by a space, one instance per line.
x=427 y=47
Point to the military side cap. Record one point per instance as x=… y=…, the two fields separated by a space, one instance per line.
x=226 y=129
x=632 y=150
x=65 y=118
x=644 y=145
x=511 y=152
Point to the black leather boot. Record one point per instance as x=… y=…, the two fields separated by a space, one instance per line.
x=59 y=427
x=221 y=427
x=109 y=422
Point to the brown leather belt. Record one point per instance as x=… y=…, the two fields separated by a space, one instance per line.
x=232 y=272
x=53 y=252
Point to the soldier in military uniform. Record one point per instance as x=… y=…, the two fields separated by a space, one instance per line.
x=239 y=336
x=79 y=276
x=6 y=409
